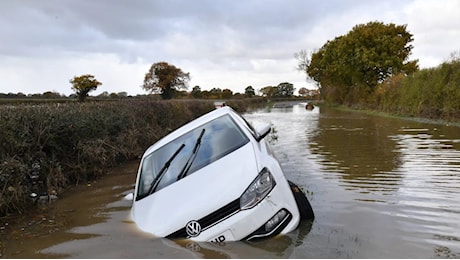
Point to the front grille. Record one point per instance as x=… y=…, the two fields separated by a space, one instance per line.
x=211 y=219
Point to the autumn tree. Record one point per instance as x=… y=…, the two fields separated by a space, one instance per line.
x=249 y=91
x=165 y=79
x=196 y=92
x=268 y=91
x=310 y=93
x=352 y=65
x=51 y=94
x=215 y=93
x=84 y=84
x=303 y=91
x=285 y=89
x=227 y=93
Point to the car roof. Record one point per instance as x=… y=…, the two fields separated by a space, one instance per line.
x=218 y=112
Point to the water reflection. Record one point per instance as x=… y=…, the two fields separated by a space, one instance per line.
x=380 y=187
x=358 y=147
x=278 y=247
x=431 y=184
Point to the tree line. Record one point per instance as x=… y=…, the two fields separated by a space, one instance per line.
x=167 y=81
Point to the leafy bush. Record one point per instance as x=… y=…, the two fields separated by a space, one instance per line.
x=430 y=93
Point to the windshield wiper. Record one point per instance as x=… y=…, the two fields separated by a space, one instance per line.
x=192 y=157
x=160 y=174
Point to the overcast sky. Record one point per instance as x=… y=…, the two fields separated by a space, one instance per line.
x=222 y=43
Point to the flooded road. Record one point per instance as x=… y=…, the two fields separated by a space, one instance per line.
x=380 y=188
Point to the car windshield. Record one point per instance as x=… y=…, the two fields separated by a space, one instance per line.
x=220 y=137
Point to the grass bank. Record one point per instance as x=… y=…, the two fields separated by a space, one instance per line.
x=380 y=113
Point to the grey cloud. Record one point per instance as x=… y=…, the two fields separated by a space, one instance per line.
x=207 y=36
x=104 y=26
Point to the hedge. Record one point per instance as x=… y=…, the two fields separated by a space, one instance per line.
x=47 y=147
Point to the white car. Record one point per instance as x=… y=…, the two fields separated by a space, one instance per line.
x=216 y=179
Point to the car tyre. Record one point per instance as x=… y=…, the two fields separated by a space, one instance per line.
x=305 y=209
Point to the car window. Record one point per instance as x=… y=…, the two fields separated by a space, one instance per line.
x=221 y=136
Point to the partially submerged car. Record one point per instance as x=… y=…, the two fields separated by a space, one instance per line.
x=216 y=179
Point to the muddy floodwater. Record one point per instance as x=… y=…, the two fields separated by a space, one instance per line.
x=380 y=188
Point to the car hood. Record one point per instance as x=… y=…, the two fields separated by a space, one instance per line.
x=198 y=194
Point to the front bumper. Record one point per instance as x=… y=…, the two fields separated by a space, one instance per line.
x=229 y=223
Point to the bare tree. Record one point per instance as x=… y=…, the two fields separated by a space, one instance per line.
x=303 y=58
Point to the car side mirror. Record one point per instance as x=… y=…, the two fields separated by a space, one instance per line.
x=262 y=131
x=129 y=196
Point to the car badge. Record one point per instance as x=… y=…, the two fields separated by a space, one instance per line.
x=193 y=228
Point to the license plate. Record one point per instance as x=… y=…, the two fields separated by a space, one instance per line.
x=227 y=235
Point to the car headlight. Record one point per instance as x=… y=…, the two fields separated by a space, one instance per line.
x=257 y=190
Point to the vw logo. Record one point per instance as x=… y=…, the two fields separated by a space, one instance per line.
x=193 y=228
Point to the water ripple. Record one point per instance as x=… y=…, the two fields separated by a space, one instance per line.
x=393 y=185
